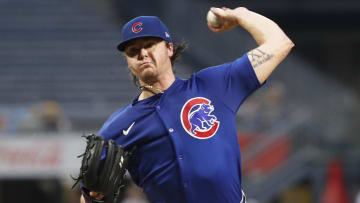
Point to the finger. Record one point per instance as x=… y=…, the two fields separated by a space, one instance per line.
x=216 y=30
x=82 y=200
x=93 y=194
x=96 y=195
x=99 y=196
x=217 y=11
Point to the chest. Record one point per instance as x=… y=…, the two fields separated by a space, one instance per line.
x=138 y=126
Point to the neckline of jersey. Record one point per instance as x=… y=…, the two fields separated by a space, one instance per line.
x=156 y=96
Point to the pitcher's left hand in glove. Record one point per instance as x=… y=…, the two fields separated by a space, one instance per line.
x=102 y=175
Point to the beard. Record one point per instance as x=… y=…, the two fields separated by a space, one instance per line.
x=148 y=77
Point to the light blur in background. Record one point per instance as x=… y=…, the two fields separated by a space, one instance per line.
x=61 y=77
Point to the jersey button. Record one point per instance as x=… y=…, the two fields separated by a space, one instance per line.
x=181 y=157
x=171 y=130
x=158 y=107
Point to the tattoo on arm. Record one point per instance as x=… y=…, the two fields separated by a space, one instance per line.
x=258 y=57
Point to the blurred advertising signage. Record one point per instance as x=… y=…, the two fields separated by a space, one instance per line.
x=39 y=156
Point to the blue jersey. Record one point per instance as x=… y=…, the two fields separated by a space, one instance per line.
x=187 y=146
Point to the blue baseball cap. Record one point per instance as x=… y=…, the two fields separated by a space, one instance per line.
x=143 y=26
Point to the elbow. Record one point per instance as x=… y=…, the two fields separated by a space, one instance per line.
x=287 y=45
x=284 y=47
x=282 y=42
x=291 y=44
x=286 y=42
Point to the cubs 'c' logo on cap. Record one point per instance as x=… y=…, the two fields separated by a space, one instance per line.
x=197 y=120
x=136 y=27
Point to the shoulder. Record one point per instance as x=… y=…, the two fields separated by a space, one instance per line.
x=118 y=113
x=242 y=62
x=112 y=119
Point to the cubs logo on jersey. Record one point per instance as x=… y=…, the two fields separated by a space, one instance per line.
x=197 y=119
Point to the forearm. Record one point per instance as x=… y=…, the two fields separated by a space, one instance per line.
x=262 y=29
x=273 y=43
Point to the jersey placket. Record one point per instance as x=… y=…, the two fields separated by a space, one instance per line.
x=178 y=147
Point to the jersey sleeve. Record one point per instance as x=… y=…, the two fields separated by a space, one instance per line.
x=109 y=129
x=231 y=82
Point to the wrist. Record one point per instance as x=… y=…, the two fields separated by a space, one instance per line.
x=241 y=14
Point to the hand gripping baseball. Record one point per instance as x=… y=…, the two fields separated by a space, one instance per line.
x=226 y=19
x=105 y=176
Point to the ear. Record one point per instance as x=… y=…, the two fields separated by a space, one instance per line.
x=171 y=49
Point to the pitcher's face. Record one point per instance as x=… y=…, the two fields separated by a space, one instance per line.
x=148 y=58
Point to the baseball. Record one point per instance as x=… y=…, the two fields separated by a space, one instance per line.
x=213 y=20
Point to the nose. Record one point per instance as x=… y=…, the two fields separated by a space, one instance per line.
x=143 y=53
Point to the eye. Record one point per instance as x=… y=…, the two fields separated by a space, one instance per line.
x=149 y=44
x=132 y=51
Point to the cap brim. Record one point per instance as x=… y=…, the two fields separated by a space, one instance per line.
x=121 y=47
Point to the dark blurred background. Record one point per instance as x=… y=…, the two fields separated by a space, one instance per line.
x=61 y=77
